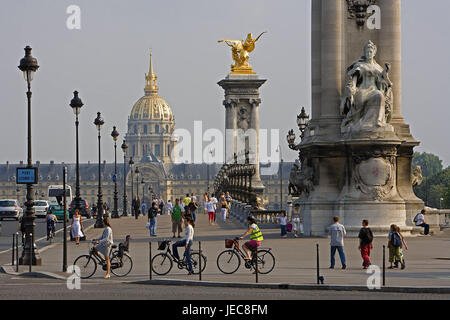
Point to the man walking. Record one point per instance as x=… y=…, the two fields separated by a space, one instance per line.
x=337 y=233
x=176 y=219
x=365 y=243
x=152 y=213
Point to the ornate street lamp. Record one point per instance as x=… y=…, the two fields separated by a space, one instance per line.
x=99 y=122
x=124 y=149
x=131 y=162
x=115 y=135
x=76 y=105
x=29 y=65
x=137 y=190
x=302 y=122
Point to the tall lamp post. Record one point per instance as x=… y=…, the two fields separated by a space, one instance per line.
x=143 y=190
x=115 y=213
x=99 y=122
x=76 y=105
x=29 y=65
x=137 y=191
x=131 y=162
x=124 y=149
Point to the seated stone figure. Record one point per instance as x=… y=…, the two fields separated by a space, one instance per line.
x=367 y=100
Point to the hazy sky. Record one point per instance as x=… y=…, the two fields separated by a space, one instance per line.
x=106 y=61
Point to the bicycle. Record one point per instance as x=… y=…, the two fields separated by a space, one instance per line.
x=51 y=233
x=229 y=261
x=162 y=263
x=121 y=262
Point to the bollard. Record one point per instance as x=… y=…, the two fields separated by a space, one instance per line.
x=200 y=260
x=31 y=251
x=256 y=264
x=150 y=259
x=17 y=252
x=318 y=265
x=384 y=265
x=13 y=249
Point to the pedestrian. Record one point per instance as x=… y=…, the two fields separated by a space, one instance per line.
x=186 y=202
x=215 y=203
x=205 y=200
x=77 y=226
x=136 y=206
x=223 y=208
x=161 y=206
x=143 y=208
x=420 y=222
x=193 y=206
x=176 y=219
x=211 y=211
x=283 y=224
x=228 y=199
x=365 y=243
x=297 y=221
x=169 y=206
x=152 y=214
x=104 y=245
x=337 y=233
x=186 y=242
x=396 y=241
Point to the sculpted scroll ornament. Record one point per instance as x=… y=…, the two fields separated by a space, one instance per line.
x=367 y=101
x=417 y=177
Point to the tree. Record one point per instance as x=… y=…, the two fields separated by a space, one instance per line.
x=430 y=163
x=434 y=188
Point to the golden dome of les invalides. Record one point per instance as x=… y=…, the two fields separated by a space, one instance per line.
x=151 y=106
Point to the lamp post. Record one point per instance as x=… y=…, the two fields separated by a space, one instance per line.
x=124 y=149
x=302 y=122
x=136 y=212
x=143 y=190
x=99 y=223
x=115 y=213
x=131 y=162
x=76 y=105
x=28 y=65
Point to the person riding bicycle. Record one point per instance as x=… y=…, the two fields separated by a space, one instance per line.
x=186 y=242
x=51 y=220
x=104 y=244
x=255 y=237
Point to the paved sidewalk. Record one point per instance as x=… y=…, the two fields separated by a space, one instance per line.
x=428 y=258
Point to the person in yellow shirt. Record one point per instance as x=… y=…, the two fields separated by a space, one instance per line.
x=255 y=237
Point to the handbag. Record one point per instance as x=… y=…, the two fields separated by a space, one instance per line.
x=289 y=227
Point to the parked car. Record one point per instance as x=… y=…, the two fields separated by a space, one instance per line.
x=58 y=211
x=40 y=208
x=10 y=209
x=84 y=210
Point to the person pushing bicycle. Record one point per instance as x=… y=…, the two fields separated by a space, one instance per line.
x=255 y=237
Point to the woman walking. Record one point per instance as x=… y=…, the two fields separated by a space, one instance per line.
x=77 y=227
x=104 y=244
x=223 y=208
x=211 y=211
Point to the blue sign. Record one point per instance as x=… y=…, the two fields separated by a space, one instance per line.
x=27 y=176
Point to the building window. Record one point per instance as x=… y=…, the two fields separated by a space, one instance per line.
x=167 y=128
x=157 y=150
x=134 y=150
x=156 y=128
x=135 y=129
x=168 y=150
x=145 y=129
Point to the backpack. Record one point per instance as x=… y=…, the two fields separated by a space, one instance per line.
x=368 y=235
x=416 y=218
x=396 y=241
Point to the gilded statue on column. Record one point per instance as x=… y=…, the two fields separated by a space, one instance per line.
x=241 y=50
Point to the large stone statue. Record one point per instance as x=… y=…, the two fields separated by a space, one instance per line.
x=240 y=50
x=301 y=180
x=417 y=177
x=367 y=100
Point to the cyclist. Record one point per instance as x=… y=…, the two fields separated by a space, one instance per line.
x=255 y=237
x=187 y=243
x=50 y=219
x=104 y=244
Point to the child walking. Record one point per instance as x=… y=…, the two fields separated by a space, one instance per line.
x=283 y=224
x=395 y=244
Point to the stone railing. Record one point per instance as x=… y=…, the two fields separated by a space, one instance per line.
x=239 y=211
x=438 y=219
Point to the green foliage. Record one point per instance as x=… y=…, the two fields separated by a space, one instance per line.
x=430 y=163
x=434 y=188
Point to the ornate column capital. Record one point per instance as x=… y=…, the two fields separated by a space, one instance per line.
x=230 y=102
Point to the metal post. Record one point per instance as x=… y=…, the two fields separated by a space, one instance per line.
x=17 y=252
x=65 y=222
x=281 y=184
x=256 y=264
x=318 y=265
x=124 y=214
x=31 y=252
x=150 y=259
x=200 y=260
x=384 y=265
x=13 y=249
x=115 y=213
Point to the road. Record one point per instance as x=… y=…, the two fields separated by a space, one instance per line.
x=45 y=289
x=9 y=227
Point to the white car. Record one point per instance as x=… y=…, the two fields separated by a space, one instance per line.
x=10 y=209
x=40 y=208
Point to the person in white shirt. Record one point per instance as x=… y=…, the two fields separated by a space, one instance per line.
x=297 y=221
x=337 y=233
x=187 y=243
x=169 y=207
x=283 y=224
x=420 y=222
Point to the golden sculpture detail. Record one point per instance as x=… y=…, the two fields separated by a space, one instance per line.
x=240 y=50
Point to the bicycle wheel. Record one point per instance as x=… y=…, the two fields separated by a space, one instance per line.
x=162 y=264
x=266 y=261
x=228 y=262
x=124 y=265
x=196 y=262
x=87 y=266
